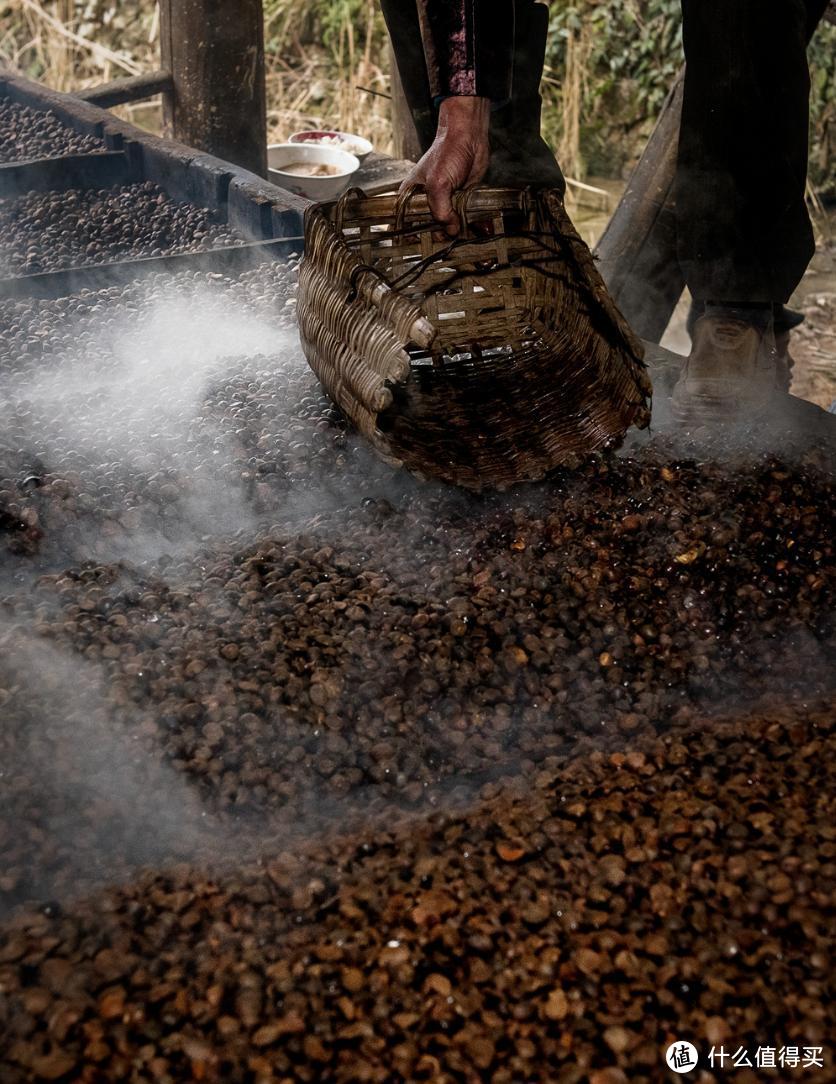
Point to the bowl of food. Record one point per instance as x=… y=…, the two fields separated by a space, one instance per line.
x=311 y=170
x=344 y=141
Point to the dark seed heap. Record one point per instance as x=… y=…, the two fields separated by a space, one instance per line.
x=28 y=134
x=51 y=231
x=227 y=631
x=565 y=929
x=396 y=645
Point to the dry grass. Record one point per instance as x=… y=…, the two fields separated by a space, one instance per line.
x=70 y=45
x=56 y=44
x=312 y=85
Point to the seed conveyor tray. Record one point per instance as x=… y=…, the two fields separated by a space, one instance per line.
x=250 y=207
x=60 y=174
x=54 y=284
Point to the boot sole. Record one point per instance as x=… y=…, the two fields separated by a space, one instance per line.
x=704 y=410
x=695 y=410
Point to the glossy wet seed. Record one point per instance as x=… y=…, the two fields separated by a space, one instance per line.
x=408 y=950
x=52 y=231
x=29 y=134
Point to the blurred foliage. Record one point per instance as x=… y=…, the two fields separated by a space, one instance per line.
x=823 y=109
x=632 y=50
x=610 y=64
x=634 y=55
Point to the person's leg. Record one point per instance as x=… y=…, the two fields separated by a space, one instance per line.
x=519 y=154
x=744 y=234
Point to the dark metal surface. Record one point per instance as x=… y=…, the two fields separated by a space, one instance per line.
x=60 y=174
x=53 y=284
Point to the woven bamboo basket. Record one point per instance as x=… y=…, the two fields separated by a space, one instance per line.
x=483 y=361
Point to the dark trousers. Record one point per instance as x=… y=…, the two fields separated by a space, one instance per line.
x=743 y=230
x=744 y=234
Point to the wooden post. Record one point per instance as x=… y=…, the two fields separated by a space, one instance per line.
x=214 y=51
x=407 y=143
x=637 y=252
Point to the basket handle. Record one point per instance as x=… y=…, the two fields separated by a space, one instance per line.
x=404 y=196
x=461 y=202
x=342 y=203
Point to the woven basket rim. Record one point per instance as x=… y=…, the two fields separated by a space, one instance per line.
x=468 y=202
x=533 y=317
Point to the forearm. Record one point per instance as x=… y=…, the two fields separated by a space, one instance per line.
x=469 y=50
x=469 y=47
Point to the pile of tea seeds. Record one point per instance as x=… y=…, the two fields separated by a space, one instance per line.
x=328 y=651
x=28 y=134
x=52 y=231
x=314 y=771
x=567 y=926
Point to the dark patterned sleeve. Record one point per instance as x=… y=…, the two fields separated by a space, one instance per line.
x=469 y=47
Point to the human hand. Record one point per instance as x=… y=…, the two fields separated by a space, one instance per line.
x=459 y=157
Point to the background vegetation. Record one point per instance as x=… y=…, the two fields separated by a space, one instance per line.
x=609 y=66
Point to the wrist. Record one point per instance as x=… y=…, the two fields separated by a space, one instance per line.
x=467 y=113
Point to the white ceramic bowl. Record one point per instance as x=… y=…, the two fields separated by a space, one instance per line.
x=345 y=141
x=313 y=188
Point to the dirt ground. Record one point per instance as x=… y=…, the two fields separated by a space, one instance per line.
x=814 y=344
